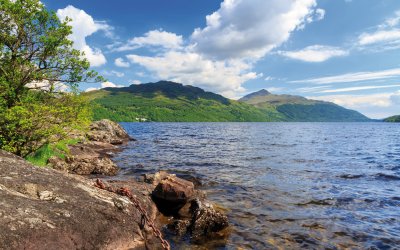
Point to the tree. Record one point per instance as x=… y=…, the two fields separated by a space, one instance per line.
x=36 y=58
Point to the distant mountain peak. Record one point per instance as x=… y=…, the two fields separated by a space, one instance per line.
x=262 y=92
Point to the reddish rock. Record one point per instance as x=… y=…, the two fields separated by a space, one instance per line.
x=172 y=193
x=174 y=189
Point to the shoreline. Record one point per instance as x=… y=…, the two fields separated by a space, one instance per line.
x=112 y=214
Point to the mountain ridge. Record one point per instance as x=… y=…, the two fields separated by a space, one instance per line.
x=175 y=102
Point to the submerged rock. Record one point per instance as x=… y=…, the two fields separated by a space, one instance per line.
x=206 y=220
x=42 y=208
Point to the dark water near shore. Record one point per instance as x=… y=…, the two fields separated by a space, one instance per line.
x=285 y=185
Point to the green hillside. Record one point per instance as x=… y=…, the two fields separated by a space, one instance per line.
x=300 y=109
x=172 y=102
x=395 y=118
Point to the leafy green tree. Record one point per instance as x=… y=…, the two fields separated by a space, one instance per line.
x=37 y=63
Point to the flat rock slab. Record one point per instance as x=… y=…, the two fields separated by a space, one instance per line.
x=42 y=208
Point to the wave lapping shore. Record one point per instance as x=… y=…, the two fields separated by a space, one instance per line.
x=44 y=208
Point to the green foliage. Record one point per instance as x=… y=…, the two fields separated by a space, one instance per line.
x=172 y=102
x=36 y=61
x=35 y=50
x=40 y=119
x=43 y=154
x=395 y=118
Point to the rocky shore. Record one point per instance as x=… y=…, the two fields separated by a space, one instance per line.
x=61 y=208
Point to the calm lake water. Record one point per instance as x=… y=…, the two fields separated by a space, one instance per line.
x=285 y=185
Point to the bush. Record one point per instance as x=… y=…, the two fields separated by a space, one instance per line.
x=41 y=119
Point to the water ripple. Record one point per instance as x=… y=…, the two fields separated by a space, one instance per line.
x=285 y=185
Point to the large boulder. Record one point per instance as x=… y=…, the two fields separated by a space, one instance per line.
x=92 y=156
x=172 y=193
x=108 y=131
x=87 y=158
x=42 y=208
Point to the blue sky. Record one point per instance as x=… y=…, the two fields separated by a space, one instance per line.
x=344 y=51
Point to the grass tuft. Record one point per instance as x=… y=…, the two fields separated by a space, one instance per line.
x=43 y=154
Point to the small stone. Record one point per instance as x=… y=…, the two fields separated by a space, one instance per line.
x=31 y=189
x=59 y=200
x=46 y=195
x=121 y=204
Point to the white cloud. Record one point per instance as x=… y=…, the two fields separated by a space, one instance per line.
x=110 y=85
x=120 y=62
x=384 y=36
x=220 y=56
x=357 y=101
x=315 y=53
x=153 y=38
x=358 y=88
x=313 y=89
x=83 y=26
x=376 y=106
x=275 y=89
x=112 y=73
x=251 y=28
x=136 y=82
x=140 y=74
x=46 y=86
x=320 y=14
x=354 y=77
x=192 y=68
x=105 y=85
x=91 y=89
x=381 y=36
x=269 y=78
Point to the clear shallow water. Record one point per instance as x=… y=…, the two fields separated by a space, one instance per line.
x=288 y=185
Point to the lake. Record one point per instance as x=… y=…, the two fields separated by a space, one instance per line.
x=288 y=185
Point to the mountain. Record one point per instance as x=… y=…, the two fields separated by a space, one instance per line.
x=301 y=109
x=172 y=102
x=395 y=118
x=255 y=95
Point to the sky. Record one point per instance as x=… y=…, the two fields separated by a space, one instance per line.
x=343 y=51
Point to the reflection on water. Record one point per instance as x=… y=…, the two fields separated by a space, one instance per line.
x=285 y=185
